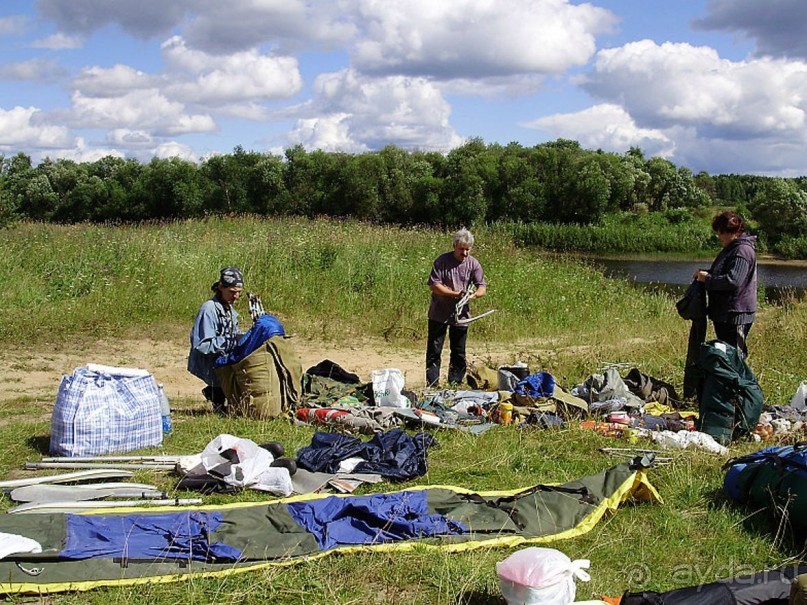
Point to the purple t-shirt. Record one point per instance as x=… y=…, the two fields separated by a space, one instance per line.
x=456 y=275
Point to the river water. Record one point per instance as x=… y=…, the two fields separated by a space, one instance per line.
x=780 y=279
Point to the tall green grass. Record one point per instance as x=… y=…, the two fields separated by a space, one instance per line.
x=332 y=282
x=329 y=279
x=624 y=233
x=337 y=282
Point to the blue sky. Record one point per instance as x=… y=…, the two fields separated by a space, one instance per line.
x=714 y=85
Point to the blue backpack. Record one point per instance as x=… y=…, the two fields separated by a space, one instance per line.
x=774 y=477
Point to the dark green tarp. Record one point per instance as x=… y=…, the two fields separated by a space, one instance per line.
x=268 y=535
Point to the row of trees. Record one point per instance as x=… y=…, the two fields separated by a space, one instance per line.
x=475 y=182
x=557 y=181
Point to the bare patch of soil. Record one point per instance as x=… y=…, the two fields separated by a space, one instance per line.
x=37 y=373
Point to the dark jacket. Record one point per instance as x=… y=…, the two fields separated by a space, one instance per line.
x=732 y=281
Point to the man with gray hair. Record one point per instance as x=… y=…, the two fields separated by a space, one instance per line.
x=453 y=275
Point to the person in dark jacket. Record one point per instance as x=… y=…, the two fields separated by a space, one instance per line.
x=731 y=281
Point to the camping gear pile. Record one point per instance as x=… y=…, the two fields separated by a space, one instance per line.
x=261 y=376
x=774 y=478
x=153 y=535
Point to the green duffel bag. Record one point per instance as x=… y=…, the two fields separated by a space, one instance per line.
x=266 y=383
x=730 y=400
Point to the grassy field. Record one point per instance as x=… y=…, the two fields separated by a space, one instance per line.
x=333 y=282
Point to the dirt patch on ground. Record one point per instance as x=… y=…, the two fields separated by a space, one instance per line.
x=37 y=373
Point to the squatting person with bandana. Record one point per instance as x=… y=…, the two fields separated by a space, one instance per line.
x=214 y=333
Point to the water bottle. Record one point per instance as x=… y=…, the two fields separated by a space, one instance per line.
x=503 y=413
x=165 y=409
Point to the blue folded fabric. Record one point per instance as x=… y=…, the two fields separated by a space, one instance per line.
x=393 y=455
x=372 y=519
x=171 y=536
x=537 y=385
x=265 y=328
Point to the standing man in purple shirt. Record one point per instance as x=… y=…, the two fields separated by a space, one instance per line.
x=453 y=274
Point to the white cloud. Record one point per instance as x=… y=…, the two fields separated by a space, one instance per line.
x=329 y=133
x=769 y=156
x=680 y=84
x=607 y=127
x=145 y=109
x=81 y=153
x=178 y=57
x=354 y=112
x=33 y=69
x=124 y=137
x=211 y=25
x=249 y=111
x=477 y=38
x=58 y=42
x=506 y=86
x=138 y=142
x=13 y=25
x=24 y=128
x=235 y=61
x=240 y=77
x=113 y=81
x=226 y=27
x=189 y=124
x=172 y=149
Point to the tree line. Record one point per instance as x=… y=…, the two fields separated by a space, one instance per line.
x=557 y=182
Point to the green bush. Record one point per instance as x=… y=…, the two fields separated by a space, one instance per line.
x=672 y=231
x=791 y=247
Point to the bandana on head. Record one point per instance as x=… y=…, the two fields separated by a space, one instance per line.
x=230 y=277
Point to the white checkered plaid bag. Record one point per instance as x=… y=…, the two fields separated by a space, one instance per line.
x=99 y=413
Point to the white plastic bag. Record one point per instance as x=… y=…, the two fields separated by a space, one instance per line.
x=542 y=576
x=243 y=463
x=388 y=385
x=799 y=400
x=688 y=439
